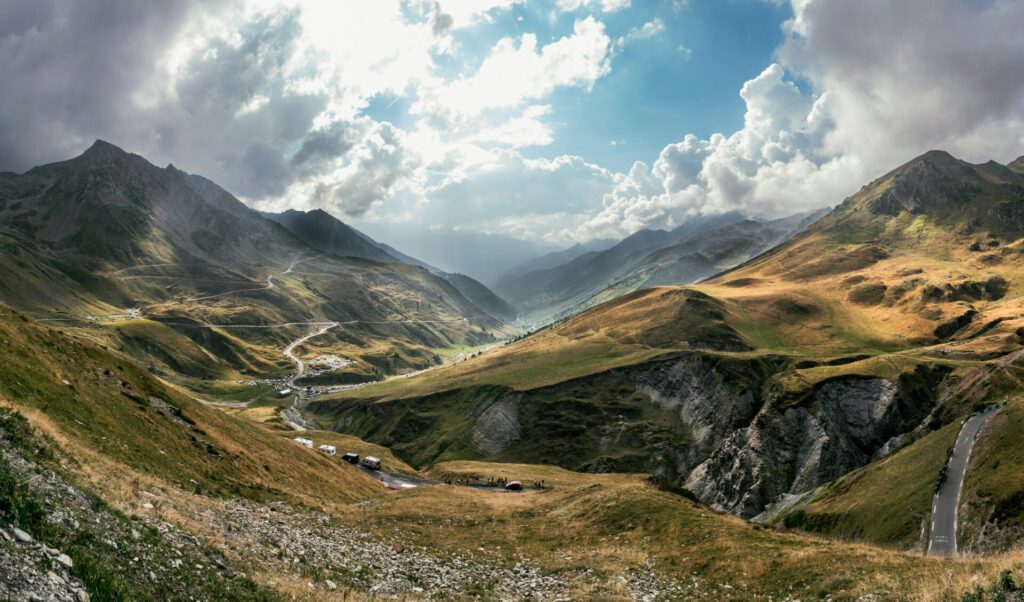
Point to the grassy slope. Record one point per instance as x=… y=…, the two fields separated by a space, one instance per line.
x=121 y=412
x=629 y=330
x=994 y=489
x=610 y=524
x=615 y=525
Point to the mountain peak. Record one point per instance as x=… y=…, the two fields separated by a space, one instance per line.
x=938 y=155
x=1017 y=164
x=104 y=149
x=939 y=160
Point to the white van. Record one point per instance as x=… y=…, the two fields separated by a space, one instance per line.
x=330 y=450
x=371 y=462
x=304 y=442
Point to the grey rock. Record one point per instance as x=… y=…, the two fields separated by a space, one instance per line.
x=21 y=536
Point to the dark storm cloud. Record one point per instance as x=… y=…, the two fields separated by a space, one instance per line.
x=77 y=71
x=323 y=144
x=69 y=69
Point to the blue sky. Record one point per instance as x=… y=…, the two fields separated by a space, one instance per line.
x=657 y=93
x=682 y=80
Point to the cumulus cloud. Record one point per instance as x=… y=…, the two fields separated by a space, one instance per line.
x=909 y=76
x=517 y=70
x=774 y=165
x=886 y=82
x=644 y=32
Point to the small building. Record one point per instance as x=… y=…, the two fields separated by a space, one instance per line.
x=304 y=442
x=284 y=392
x=330 y=450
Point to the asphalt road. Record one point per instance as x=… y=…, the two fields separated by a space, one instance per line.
x=947 y=500
x=395 y=480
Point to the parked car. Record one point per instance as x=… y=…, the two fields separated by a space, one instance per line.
x=304 y=442
x=371 y=462
x=514 y=486
x=351 y=458
x=330 y=450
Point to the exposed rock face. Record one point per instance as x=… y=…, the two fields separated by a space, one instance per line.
x=721 y=426
x=707 y=404
x=497 y=427
x=790 y=450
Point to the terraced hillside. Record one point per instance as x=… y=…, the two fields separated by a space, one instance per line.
x=869 y=332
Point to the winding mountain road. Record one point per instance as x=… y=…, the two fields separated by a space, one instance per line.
x=945 y=507
x=289 y=352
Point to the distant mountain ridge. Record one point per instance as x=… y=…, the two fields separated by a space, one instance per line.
x=327 y=233
x=697 y=249
x=557 y=258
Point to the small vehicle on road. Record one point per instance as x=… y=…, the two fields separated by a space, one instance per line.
x=514 y=486
x=351 y=458
x=371 y=462
x=329 y=450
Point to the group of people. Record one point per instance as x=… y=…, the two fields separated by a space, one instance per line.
x=474 y=480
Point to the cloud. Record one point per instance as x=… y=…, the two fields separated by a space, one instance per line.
x=61 y=88
x=886 y=81
x=644 y=32
x=505 y=192
x=909 y=76
x=517 y=70
x=773 y=166
x=607 y=6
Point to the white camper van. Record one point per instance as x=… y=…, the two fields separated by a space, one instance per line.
x=371 y=462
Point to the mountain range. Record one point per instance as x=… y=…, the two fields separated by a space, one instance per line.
x=325 y=232
x=168 y=353
x=701 y=247
x=181 y=272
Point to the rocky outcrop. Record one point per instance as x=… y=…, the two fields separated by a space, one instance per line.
x=710 y=406
x=790 y=450
x=722 y=426
x=497 y=426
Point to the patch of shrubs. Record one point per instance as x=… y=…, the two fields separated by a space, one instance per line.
x=997 y=592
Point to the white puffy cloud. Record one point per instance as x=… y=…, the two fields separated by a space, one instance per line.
x=774 y=165
x=517 y=70
x=643 y=32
